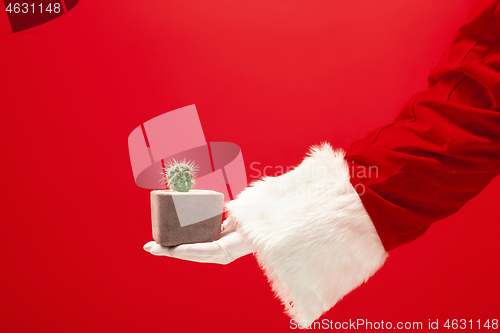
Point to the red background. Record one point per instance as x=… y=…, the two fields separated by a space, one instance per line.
x=273 y=76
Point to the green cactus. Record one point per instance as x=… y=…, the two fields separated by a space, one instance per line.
x=180 y=176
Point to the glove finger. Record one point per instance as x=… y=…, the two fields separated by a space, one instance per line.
x=200 y=252
x=228 y=226
x=147 y=247
x=159 y=250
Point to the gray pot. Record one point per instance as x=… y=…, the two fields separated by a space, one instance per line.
x=186 y=217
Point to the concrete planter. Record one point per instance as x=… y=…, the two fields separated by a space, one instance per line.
x=186 y=217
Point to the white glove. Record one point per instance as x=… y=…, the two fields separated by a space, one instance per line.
x=228 y=248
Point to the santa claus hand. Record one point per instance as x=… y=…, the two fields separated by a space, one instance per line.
x=228 y=248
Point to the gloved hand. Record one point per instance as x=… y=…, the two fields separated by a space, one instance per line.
x=228 y=248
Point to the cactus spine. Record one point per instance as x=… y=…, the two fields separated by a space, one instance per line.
x=180 y=175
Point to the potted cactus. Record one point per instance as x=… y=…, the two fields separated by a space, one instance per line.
x=182 y=215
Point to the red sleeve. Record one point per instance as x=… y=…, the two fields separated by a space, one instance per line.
x=443 y=148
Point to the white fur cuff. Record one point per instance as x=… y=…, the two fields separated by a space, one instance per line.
x=310 y=233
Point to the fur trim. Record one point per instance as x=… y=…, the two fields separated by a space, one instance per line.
x=310 y=233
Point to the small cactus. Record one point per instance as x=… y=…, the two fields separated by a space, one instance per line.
x=180 y=175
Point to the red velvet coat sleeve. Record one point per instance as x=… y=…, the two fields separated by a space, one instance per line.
x=443 y=148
